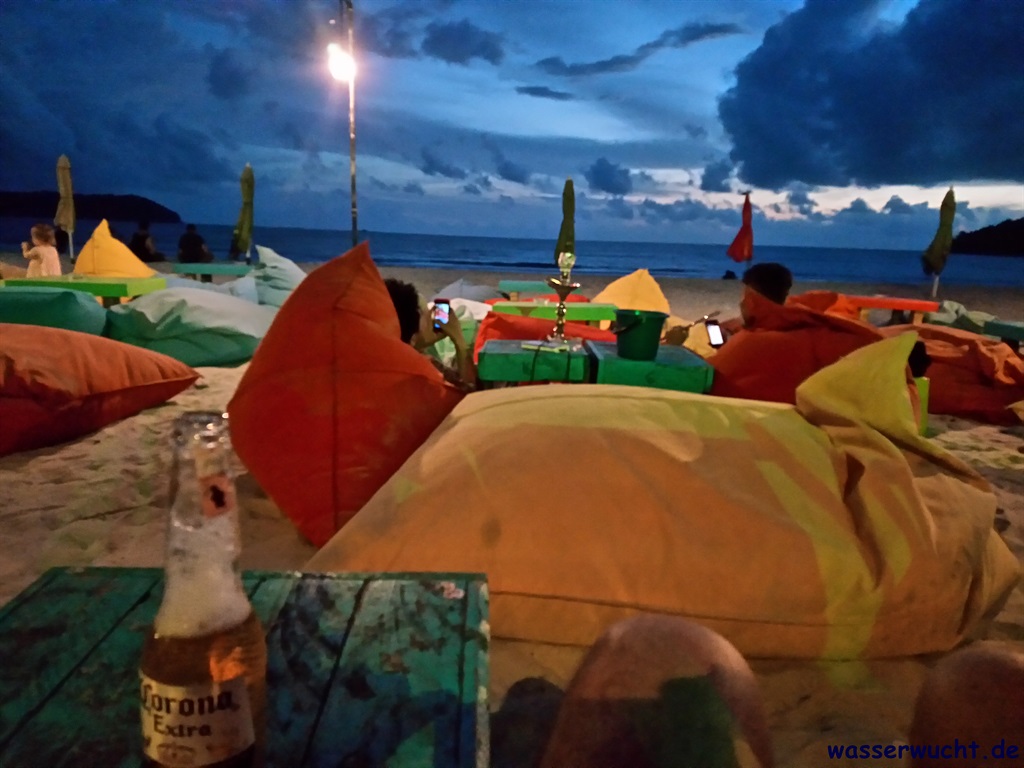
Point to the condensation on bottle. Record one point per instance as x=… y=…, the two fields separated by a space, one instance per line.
x=203 y=669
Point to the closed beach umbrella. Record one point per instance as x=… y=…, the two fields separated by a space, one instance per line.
x=567 y=232
x=933 y=260
x=742 y=248
x=243 y=229
x=65 y=218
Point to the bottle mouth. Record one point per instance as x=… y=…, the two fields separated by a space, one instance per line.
x=198 y=424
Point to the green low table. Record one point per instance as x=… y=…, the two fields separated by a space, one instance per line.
x=1007 y=330
x=362 y=670
x=674 y=368
x=517 y=288
x=504 y=361
x=109 y=289
x=209 y=268
x=581 y=311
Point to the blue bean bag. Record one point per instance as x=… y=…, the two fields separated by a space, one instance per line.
x=196 y=326
x=276 y=277
x=53 y=308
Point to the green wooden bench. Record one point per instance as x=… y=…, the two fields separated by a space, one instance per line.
x=362 y=669
x=516 y=288
x=580 y=311
x=1008 y=331
x=109 y=289
x=505 y=361
x=192 y=269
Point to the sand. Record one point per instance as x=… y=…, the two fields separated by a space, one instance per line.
x=101 y=500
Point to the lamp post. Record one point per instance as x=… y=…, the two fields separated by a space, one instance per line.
x=343 y=67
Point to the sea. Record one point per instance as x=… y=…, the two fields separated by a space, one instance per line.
x=524 y=255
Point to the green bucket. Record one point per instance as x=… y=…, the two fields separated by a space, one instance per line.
x=638 y=333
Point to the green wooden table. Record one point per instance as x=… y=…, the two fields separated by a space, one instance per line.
x=674 y=367
x=209 y=268
x=584 y=311
x=505 y=361
x=109 y=289
x=517 y=288
x=362 y=670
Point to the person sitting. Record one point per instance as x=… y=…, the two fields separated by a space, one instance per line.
x=192 y=249
x=142 y=245
x=416 y=325
x=41 y=253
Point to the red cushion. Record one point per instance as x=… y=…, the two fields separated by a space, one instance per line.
x=498 y=325
x=56 y=385
x=333 y=401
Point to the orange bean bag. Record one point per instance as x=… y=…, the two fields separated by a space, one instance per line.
x=826 y=301
x=56 y=385
x=333 y=401
x=972 y=376
x=498 y=325
x=781 y=347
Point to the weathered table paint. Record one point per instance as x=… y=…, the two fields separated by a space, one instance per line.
x=674 y=368
x=363 y=670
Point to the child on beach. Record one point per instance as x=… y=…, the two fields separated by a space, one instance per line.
x=41 y=253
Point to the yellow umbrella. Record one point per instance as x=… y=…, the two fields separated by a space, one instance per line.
x=243 y=229
x=934 y=258
x=65 y=217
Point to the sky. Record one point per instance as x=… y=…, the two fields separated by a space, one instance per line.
x=847 y=121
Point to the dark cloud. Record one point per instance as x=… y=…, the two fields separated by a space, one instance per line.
x=461 y=42
x=228 y=77
x=898 y=205
x=412 y=188
x=604 y=176
x=695 y=131
x=833 y=96
x=857 y=207
x=619 y=208
x=435 y=166
x=800 y=200
x=674 y=38
x=685 y=210
x=484 y=182
x=543 y=92
x=716 y=177
x=471 y=189
x=508 y=170
x=388 y=33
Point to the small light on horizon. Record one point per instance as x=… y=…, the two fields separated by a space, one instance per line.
x=342 y=66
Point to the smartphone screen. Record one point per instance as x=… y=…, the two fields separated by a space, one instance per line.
x=442 y=309
x=715 y=337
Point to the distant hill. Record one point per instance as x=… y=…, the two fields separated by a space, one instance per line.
x=43 y=205
x=1005 y=239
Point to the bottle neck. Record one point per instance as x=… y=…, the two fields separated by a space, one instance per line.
x=202 y=590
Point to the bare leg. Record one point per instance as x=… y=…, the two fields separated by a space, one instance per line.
x=975 y=694
x=658 y=691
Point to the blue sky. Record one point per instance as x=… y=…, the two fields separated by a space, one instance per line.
x=847 y=120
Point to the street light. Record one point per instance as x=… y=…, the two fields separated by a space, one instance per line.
x=342 y=65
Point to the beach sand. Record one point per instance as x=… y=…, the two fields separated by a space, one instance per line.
x=100 y=500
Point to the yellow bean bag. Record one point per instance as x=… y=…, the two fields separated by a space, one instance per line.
x=106 y=256
x=637 y=290
x=829 y=529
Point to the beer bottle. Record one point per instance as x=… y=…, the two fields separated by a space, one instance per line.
x=203 y=670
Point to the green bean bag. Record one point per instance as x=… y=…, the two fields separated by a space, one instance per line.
x=53 y=308
x=194 y=326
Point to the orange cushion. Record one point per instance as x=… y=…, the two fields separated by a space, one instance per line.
x=333 y=401
x=781 y=347
x=498 y=325
x=56 y=385
x=826 y=301
x=972 y=376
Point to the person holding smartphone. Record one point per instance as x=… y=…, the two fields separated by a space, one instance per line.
x=423 y=326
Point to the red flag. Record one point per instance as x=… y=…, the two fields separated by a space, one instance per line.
x=742 y=248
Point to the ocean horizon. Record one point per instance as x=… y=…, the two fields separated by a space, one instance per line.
x=532 y=255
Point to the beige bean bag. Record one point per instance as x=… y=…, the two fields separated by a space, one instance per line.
x=826 y=530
